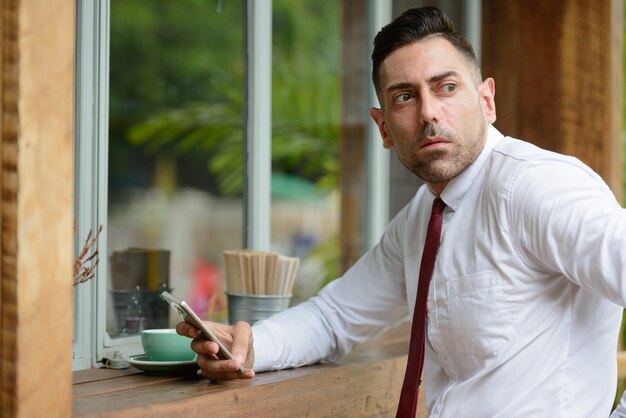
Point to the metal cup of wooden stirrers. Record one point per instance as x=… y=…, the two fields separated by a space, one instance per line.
x=259 y=284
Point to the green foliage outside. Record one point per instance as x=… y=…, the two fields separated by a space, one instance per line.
x=176 y=94
x=187 y=99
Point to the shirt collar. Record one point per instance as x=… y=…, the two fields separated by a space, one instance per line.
x=457 y=187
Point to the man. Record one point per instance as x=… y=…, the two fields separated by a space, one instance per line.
x=524 y=303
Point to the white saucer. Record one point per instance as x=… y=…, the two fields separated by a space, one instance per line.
x=163 y=367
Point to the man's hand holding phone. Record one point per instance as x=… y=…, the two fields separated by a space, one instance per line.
x=224 y=352
x=236 y=338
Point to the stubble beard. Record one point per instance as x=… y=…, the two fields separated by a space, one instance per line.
x=439 y=166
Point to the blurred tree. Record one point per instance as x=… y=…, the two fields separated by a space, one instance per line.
x=177 y=89
x=163 y=55
x=176 y=97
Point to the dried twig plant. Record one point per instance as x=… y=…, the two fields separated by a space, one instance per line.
x=86 y=262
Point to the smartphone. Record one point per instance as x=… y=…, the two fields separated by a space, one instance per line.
x=189 y=316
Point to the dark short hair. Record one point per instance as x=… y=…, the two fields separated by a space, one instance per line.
x=412 y=26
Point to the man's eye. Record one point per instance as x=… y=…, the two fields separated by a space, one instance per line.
x=404 y=97
x=449 y=88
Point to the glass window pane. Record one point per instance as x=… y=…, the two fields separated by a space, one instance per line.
x=305 y=138
x=175 y=156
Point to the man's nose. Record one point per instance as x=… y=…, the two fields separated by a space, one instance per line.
x=429 y=109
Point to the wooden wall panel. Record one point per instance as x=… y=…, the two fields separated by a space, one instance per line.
x=352 y=143
x=587 y=90
x=8 y=208
x=558 y=71
x=37 y=206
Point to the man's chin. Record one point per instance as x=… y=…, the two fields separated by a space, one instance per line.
x=434 y=175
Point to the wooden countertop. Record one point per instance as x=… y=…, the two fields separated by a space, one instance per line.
x=366 y=382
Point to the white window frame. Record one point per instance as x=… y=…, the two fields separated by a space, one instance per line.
x=91 y=342
x=91 y=149
x=258 y=125
x=376 y=157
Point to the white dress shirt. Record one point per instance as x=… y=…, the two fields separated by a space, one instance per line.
x=524 y=306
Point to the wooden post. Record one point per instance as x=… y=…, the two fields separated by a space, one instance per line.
x=352 y=143
x=36 y=208
x=558 y=71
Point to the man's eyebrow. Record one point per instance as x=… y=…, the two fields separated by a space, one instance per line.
x=439 y=77
x=398 y=86
x=434 y=79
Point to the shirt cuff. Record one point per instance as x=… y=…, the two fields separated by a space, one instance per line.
x=264 y=350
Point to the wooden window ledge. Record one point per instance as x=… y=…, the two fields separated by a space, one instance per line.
x=365 y=382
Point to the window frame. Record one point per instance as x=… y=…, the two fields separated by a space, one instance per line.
x=91 y=343
x=90 y=171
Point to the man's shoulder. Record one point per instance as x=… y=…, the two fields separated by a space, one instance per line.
x=513 y=159
x=519 y=150
x=512 y=153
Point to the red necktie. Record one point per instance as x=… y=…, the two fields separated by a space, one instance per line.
x=410 y=388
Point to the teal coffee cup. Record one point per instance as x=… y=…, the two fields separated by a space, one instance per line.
x=166 y=345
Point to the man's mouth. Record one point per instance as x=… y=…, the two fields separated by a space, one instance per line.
x=433 y=142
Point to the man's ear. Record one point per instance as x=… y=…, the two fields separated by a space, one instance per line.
x=379 y=118
x=487 y=91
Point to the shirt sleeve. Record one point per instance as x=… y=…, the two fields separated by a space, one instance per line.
x=568 y=221
x=367 y=299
